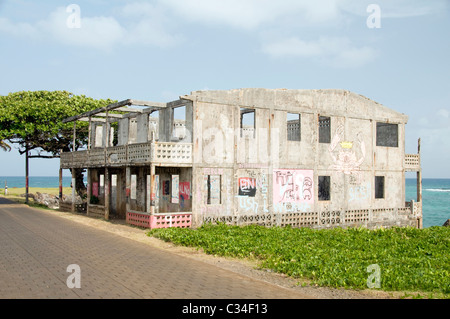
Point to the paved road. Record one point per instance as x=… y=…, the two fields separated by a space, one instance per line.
x=36 y=248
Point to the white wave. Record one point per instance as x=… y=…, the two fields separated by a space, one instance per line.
x=437 y=190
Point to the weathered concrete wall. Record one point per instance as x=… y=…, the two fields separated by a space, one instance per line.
x=122 y=132
x=351 y=160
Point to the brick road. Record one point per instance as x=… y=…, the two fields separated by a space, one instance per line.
x=37 y=247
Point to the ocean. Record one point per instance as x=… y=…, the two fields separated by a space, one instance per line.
x=435 y=194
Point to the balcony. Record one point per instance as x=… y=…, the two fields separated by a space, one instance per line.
x=132 y=154
x=412 y=162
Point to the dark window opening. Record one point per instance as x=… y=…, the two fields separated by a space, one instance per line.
x=324 y=129
x=247 y=122
x=379 y=186
x=387 y=134
x=293 y=127
x=324 y=187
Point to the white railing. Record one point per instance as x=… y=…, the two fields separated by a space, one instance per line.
x=412 y=162
x=160 y=152
x=172 y=152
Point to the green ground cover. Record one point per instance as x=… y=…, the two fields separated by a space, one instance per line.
x=408 y=259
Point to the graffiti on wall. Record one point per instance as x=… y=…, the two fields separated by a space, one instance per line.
x=252 y=192
x=95 y=189
x=293 y=190
x=293 y=186
x=166 y=187
x=185 y=190
x=175 y=189
x=346 y=158
x=247 y=186
x=359 y=192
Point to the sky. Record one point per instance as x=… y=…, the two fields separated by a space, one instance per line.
x=394 y=52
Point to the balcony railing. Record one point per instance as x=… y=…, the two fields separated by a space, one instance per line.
x=412 y=162
x=164 y=152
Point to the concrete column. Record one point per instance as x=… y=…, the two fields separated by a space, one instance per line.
x=128 y=187
x=152 y=189
x=107 y=193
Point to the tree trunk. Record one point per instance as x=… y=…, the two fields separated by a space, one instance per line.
x=79 y=182
x=26 y=174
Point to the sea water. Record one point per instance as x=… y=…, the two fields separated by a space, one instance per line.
x=34 y=181
x=435 y=199
x=435 y=194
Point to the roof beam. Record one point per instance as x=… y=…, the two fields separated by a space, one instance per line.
x=119 y=106
x=99 y=110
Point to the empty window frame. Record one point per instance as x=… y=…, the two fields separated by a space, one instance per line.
x=324 y=129
x=213 y=185
x=324 y=188
x=153 y=126
x=387 y=134
x=179 y=123
x=247 y=122
x=294 y=126
x=379 y=186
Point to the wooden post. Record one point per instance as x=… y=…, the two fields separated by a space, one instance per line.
x=419 y=189
x=74 y=135
x=89 y=133
x=107 y=193
x=128 y=187
x=60 y=184
x=73 y=189
x=89 y=191
x=419 y=177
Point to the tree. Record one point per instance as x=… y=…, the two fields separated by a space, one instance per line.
x=4 y=146
x=33 y=121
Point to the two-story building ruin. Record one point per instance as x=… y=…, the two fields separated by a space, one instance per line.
x=306 y=158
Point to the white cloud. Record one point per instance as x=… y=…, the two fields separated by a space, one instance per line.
x=17 y=29
x=254 y=14
x=443 y=113
x=141 y=24
x=95 y=32
x=333 y=51
x=397 y=8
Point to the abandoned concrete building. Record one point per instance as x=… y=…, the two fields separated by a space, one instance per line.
x=305 y=158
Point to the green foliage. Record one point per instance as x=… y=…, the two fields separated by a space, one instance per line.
x=409 y=259
x=34 y=118
x=94 y=200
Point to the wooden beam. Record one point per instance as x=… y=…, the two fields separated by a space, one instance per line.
x=148 y=103
x=99 y=110
x=129 y=110
x=119 y=106
x=110 y=115
x=93 y=119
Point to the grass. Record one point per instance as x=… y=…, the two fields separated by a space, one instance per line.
x=416 y=260
x=16 y=192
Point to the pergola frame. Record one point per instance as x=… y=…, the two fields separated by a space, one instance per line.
x=102 y=115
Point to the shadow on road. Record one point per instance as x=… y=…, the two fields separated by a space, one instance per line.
x=6 y=201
